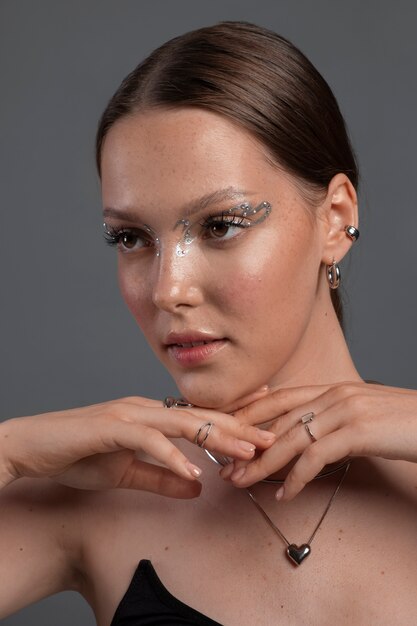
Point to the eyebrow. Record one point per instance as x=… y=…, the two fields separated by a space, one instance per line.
x=191 y=207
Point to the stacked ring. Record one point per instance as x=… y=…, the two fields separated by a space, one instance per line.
x=202 y=434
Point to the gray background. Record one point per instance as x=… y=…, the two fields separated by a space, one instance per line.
x=67 y=339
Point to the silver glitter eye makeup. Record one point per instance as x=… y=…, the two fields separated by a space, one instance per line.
x=246 y=215
x=114 y=236
x=237 y=217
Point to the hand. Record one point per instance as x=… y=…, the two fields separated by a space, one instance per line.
x=351 y=419
x=94 y=447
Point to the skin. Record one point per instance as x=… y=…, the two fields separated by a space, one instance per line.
x=264 y=289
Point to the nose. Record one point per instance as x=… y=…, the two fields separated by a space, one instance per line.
x=178 y=282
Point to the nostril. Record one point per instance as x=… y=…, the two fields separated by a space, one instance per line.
x=170 y=297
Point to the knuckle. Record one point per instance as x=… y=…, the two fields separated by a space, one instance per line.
x=131 y=399
x=359 y=427
x=281 y=396
x=173 y=456
x=243 y=413
x=345 y=390
x=121 y=412
x=115 y=408
x=281 y=424
x=247 y=431
x=153 y=434
x=311 y=454
x=290 y=435
x=354 y=403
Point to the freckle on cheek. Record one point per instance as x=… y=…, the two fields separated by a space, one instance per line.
x=242 y=290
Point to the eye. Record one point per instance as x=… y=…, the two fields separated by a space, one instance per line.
x=127 y=239
x=224 y=226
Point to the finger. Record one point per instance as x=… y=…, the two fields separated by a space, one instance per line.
x=291 y=444
x=228 y=425
x=292 y=439
x=235 y=466
x=230 y=438
x=328 y=450
x=134 y=436
x=227 y=436
x=227 y=470
x=279 y=402
x=325 y=418
x=148 y=477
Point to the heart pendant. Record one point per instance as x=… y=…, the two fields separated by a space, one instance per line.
x=297 y=554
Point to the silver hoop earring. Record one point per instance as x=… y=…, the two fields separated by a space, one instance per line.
x=333 y=275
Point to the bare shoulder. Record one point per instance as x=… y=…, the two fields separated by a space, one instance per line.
x=40 y=505
x=37 y=541
x=119 y=528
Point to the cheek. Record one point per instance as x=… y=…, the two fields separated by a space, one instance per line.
x=272 y=287
x=134 y=292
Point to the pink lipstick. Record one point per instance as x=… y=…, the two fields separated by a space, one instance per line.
x=193 y=347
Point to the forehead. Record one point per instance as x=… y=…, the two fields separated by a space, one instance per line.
x=178 y=154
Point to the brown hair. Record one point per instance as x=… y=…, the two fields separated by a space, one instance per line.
x=257 y=79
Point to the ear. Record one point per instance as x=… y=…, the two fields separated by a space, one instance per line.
x=339 y=209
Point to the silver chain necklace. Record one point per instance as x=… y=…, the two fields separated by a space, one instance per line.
x=295 y=553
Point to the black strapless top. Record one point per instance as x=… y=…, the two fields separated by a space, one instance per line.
x=148 y=603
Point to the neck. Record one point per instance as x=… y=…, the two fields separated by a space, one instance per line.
x=322 y=355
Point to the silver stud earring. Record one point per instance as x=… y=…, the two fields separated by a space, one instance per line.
x=352 y=232
x=333 y=275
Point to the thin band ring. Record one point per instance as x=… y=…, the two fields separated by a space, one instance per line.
x=305 y=420
x=204 y=427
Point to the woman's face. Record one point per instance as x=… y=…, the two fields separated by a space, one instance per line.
x=190 y=270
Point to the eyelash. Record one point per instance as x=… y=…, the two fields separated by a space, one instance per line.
x=113 y=236
x=225 y=218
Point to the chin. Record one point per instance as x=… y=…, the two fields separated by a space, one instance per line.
x=207 y=397
x=204 y=400
x=218 y=395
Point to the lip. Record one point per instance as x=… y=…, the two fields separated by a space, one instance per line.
x=189 y=336
x=189 y=356
x=196 y=355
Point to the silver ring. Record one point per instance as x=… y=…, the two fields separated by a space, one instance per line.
x=207 y=427
x=171 y=402
x=305 y=420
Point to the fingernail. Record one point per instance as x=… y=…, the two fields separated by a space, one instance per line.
x=246 y=446
x=193 y=469
x=266 y=434
x=227 y=471
x=238 y=474
x=279 y=493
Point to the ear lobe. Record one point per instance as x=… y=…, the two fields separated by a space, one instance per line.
x=341 y=209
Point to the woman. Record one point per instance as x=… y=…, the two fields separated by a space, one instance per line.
x=229 y=190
